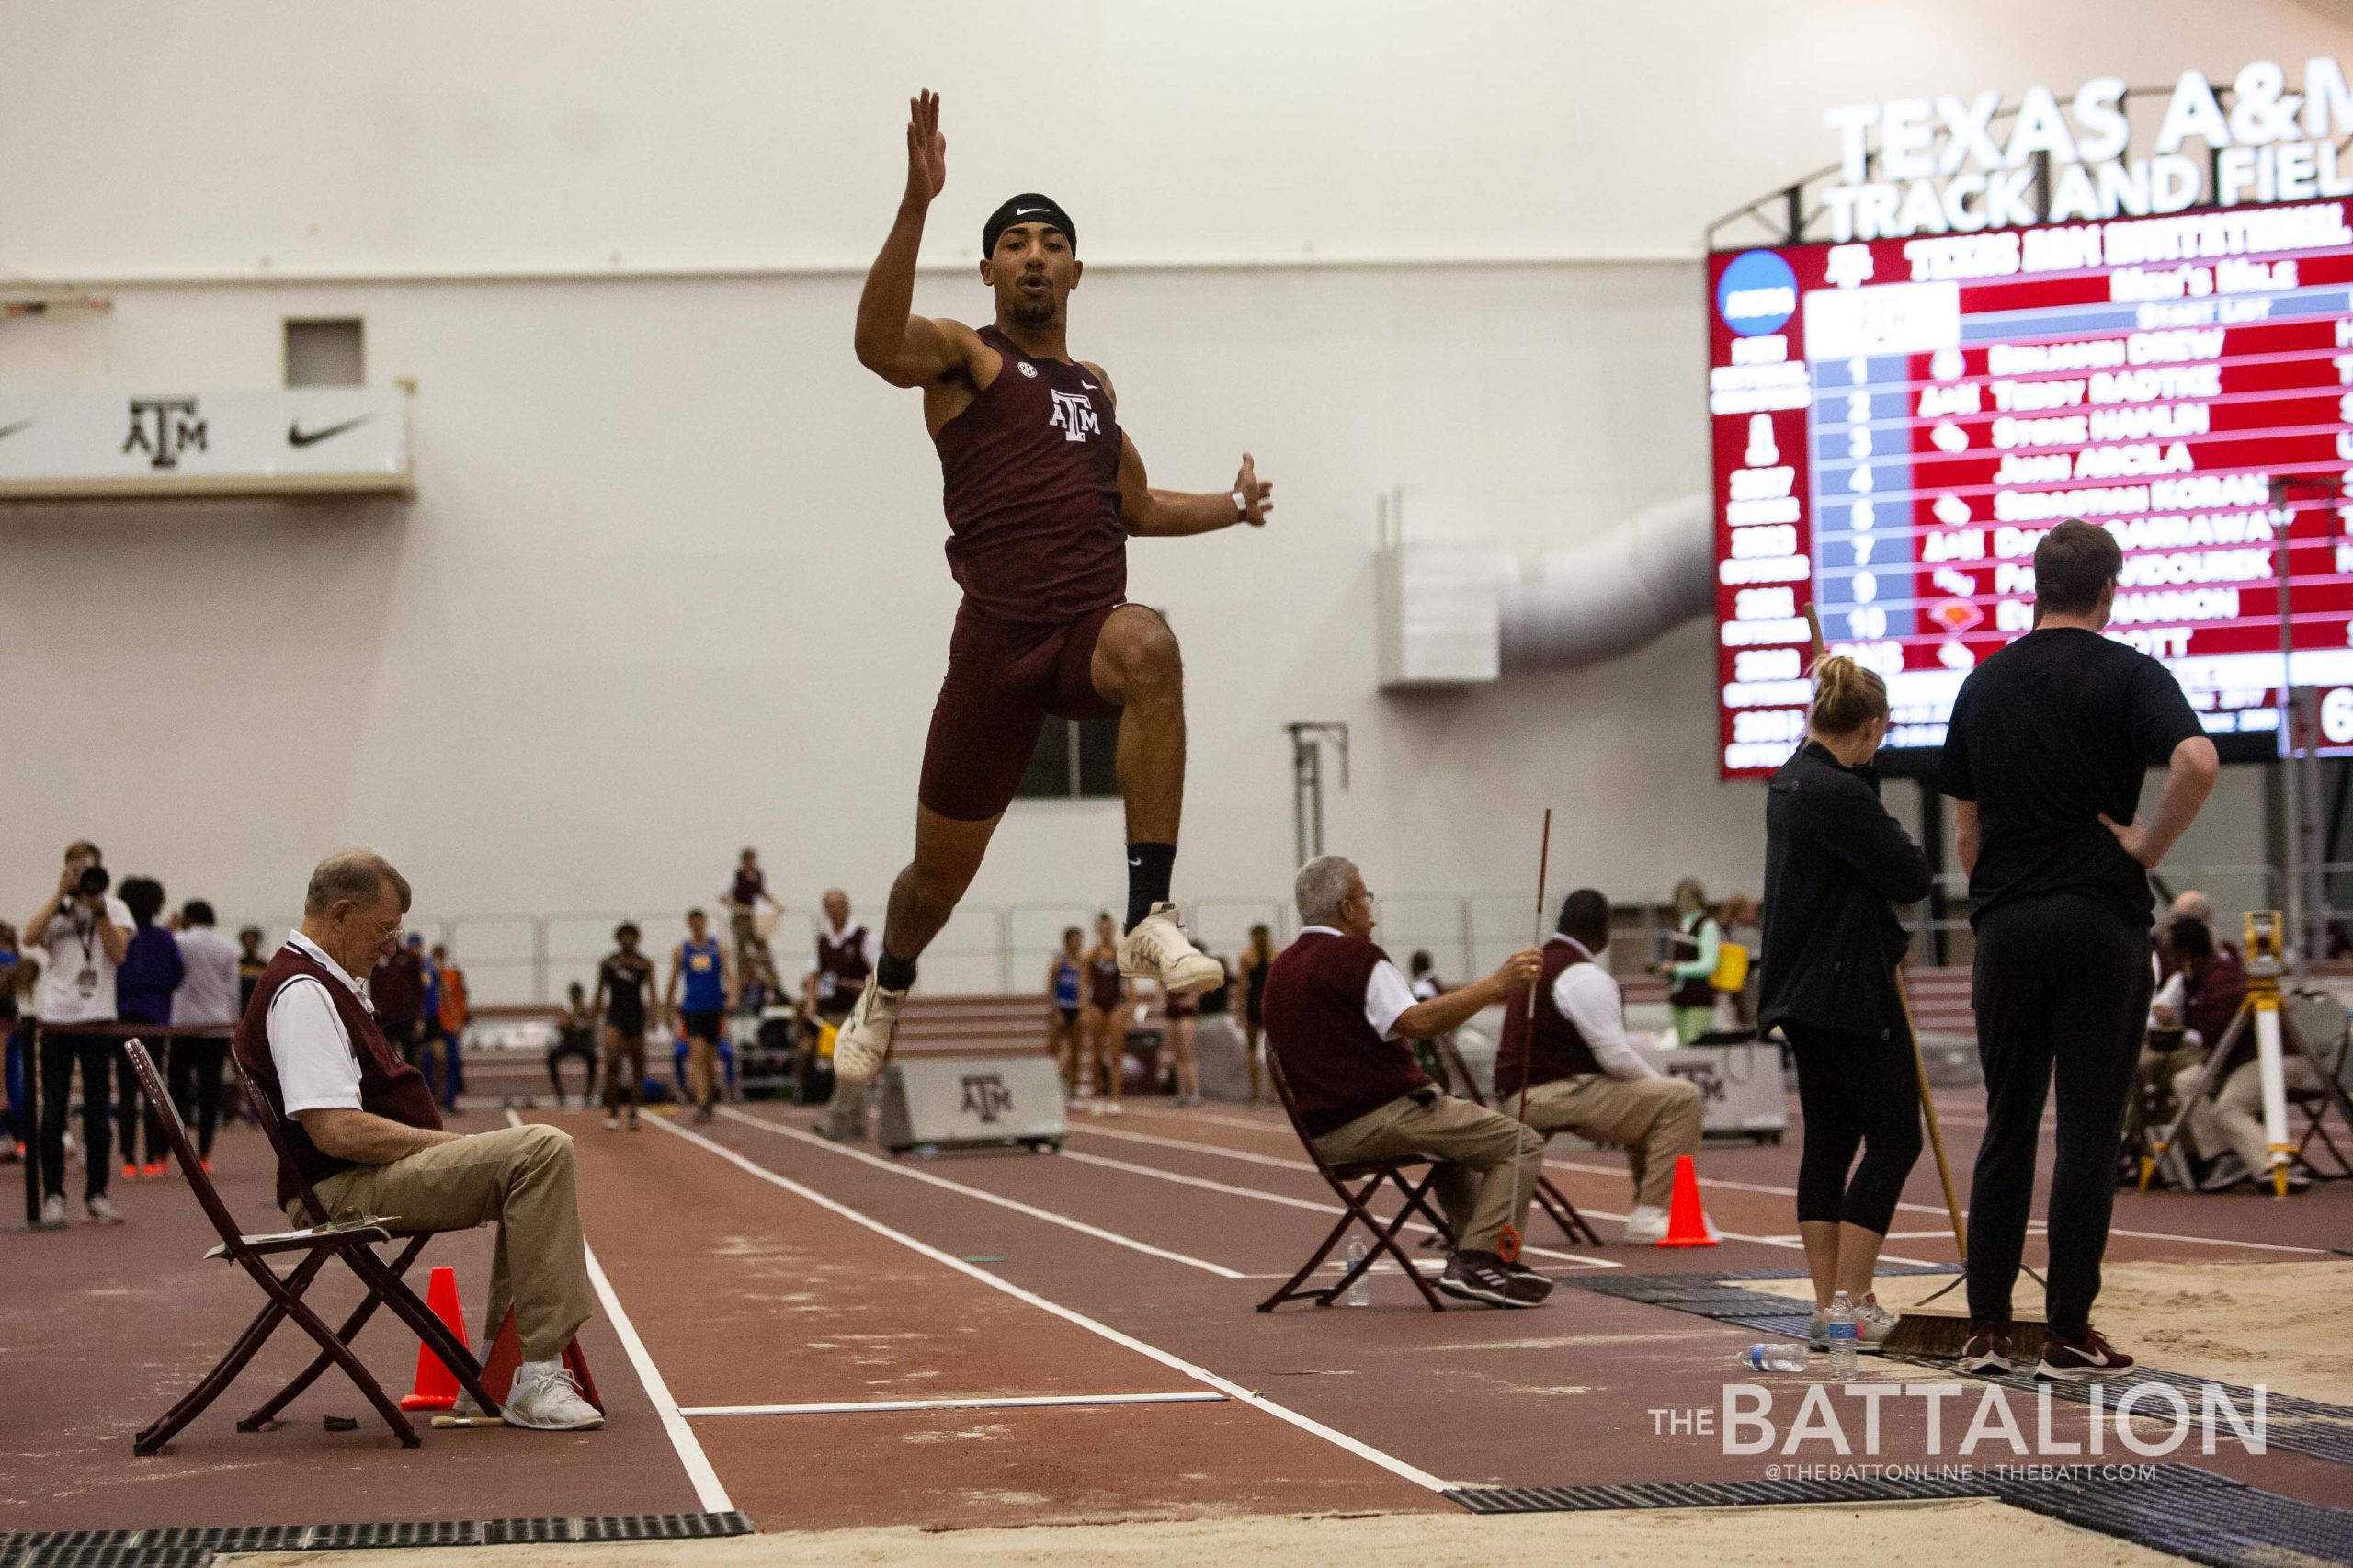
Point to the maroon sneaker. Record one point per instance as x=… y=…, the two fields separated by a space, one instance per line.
x=1987 y=1353
x=2075 y=1361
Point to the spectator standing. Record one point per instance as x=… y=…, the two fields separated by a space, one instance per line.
x=1066 y=991
x=85 y=931
x=575 y=1036
x=1745 y=925
x=251 y=963
x=18 y=974
x=1690 y=970
x=397 y=988
x=1105 y=1019
x=207 y=995
x=450 y=1023
x=624 y=988
x=745 y=894
x=1250 y=973
x=846 y=954
x=1182 y=1010
x=698 y=964
x=150 y=973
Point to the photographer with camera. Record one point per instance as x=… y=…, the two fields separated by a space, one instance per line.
x=85 y=933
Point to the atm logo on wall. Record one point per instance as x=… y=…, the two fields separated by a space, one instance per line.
x=164 y=427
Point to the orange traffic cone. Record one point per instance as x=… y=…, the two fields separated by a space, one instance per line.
x=436 y=1386
x=507 y=1354
x=1687 y=1221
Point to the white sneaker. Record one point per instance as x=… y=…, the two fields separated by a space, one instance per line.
x=613 y=1124
x=1111 y=1109
x=53 y=1209
x=1873 y=1322
x=1157 y=949
x=1646 y=1226
x=99 y=1210
x=545 y=1397
x=865 y=1036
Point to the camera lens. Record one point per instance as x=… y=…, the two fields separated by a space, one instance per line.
x=94 y=881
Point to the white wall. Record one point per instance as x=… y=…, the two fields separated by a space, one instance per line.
x=672 y=582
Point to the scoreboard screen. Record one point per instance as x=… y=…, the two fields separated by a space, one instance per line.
x=1898 y=422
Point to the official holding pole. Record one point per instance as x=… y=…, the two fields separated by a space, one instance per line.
x=2046 y=753
x=1835 y=864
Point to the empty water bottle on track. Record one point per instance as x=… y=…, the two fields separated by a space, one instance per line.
x=1775 y=1358
x=1840 y=1321
x=1359 y=1293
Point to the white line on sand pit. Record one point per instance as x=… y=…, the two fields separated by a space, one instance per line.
x=1288 y=1202
x=708 y=1490
x=1022 y=1402
x=1227 y=1386
x=1029 y=1209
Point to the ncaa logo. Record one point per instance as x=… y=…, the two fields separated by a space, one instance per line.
x=1028 y=370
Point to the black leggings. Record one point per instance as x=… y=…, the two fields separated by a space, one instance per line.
x=132 y=1110
x=1855 y=1090
x=2062 y=990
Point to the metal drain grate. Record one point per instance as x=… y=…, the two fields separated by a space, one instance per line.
x=2182 y=1509
x=196 y=1547
x=2302 y=1426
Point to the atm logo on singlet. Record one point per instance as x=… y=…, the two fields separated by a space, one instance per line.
x=1075 y=417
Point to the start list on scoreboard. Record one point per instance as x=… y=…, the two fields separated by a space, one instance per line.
x=1898 y=422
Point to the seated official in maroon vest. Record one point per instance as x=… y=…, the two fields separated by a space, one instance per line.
x=1339 y=1014
x=363 y=1135
x=1588 y=1077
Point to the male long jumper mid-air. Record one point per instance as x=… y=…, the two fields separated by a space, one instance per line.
x=1042 y=490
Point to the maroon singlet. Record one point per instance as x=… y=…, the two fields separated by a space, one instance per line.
x=1029 y=480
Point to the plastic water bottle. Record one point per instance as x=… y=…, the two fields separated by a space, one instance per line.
x=1840 y=1320
x=1360 y=1289
x=1776 y=1358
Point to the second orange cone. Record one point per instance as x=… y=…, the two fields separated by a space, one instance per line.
x=436 y=1386
x=1687 y=1221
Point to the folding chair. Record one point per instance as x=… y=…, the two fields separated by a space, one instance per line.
x=1373 y=1174
x=1549 y=1197
x=351 y=1240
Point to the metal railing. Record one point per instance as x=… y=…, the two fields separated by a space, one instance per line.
x=517 y=959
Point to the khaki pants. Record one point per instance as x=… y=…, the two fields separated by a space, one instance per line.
x=1492 y=1160
x=520 y=1177
x=1654 y=1120
x=2232 y=1116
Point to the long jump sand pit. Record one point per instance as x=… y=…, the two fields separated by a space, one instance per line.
x=1694 y=1537
x=2280 y=1324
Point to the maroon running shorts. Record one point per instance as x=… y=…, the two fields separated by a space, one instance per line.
x=1004 y=678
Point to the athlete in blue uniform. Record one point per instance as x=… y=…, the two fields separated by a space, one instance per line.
x=701 y=961
x=1064 y=974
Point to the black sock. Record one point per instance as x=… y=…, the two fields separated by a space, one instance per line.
x=1149 y=868
x=894 y=972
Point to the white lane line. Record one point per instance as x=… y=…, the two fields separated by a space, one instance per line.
x=1227 y=1386
x=1290 y=1202
x=1027 y=1210
x=708 y=1490
x=1589 y=1169
x=1022 y=1402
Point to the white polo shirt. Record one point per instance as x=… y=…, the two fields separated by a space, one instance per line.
x=208 y=992
x=317 y=1068
x=1386 y=993
x=1587 y=995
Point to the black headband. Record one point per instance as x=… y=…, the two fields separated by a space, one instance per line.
x=1027 y=207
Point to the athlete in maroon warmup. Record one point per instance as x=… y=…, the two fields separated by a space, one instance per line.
x=1042 y=490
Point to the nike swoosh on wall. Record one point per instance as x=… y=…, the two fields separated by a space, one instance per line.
x=298 y=436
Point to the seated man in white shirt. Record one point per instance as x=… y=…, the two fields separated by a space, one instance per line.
x=363 y=1130
x=1587 y=1078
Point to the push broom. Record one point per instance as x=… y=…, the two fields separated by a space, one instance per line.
x=1924 y=1329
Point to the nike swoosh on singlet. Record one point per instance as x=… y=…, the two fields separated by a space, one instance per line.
x=1090 y=386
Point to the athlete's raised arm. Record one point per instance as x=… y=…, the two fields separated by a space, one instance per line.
x=1164 y=512
x=904 y=349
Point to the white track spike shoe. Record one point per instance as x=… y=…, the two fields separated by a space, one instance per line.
x=865 y=1038
x=1157 y=949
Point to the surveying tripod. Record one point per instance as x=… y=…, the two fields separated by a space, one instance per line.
x=2274 y=1032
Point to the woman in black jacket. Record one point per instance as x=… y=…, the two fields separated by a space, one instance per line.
x=1836 y=864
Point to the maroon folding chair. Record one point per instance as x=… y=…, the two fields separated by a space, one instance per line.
x=351 y=1240
x=1371 y=1176
x=1549 y=1197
